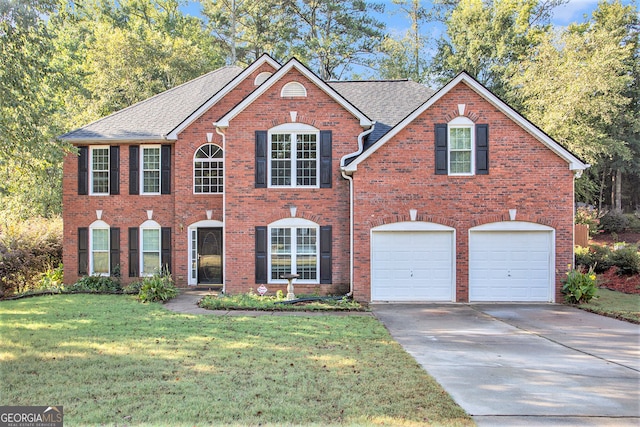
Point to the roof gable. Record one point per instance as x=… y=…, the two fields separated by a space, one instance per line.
x=293 y=63
x=463 y=78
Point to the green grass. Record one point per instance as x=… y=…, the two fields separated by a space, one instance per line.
x=615 y=304
x=253 y=301
x=110 y=360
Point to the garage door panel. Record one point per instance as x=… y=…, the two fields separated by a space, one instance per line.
x=510 y=265
x=412 y=265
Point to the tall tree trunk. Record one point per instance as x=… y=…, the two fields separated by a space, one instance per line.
x=618 y=200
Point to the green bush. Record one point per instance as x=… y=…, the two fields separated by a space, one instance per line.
x=600 y=258
x=159 y=287
x=579 y=287
x=97 y=284
x=132 y=288
x=52 y=279
x=634 y=223
x=28 y=250
x=614 y=222
x=627 y=259
x=583 y=257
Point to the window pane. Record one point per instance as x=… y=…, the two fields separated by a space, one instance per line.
x=151 y=240
x=100 y=170
x=280 y=159
x=150 y=263
x=100 y=263
x=306 y=267
x=209 y=171
x=460 y=162
x=306 y=165
x=281 y=241
x=306 y=241
x=460 y=138
x=151 y=170
x=100 y=240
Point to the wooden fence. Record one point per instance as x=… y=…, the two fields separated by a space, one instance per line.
x=581 y=234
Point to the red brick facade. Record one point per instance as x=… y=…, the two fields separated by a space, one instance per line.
x=524 y=175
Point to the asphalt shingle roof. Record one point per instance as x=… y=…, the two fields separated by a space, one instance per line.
x=155 y=117
x=385 y=101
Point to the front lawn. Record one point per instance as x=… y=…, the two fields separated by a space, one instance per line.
x=110 y=360
x=615 y=304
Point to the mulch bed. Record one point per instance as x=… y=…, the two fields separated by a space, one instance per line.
x=610 y=278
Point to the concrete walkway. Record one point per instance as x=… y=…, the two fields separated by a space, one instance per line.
x=525 y=364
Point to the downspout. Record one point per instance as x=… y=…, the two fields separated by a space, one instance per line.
x=220 y=132
x=350 y=179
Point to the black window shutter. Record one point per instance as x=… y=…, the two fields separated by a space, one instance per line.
x=482 y=149
x=165 y=169
x=114 y=170
x=134 y=258
x=261 y=159
x=83 y=170
x=134 y=169
x=441 y=149
x=261 y=255
x=166 y=249
x=325 y=159
x=83 y=251
x=114 y=256
x=325 y=254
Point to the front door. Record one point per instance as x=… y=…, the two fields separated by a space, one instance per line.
x=209 y=256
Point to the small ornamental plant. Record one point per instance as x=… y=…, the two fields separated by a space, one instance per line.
x=580 y=287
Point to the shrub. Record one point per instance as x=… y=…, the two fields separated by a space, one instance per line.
x=600 y=258
x=633 y=223
x=579 y=287
x=52 y=279
x=132 y=288
x=97 y=284
x=27 y=251
x=588 y=216
x=614 y=222
x=158 y=287
x=583 y=256
x=627 y=259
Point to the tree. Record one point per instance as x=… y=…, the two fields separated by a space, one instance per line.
x=581 y=87
x=333 y=35
x=486 y=39
x=404 y=57
x=249 y=28
x=29 y=156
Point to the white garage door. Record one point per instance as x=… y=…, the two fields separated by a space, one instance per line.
x=511 y=265
x=412 y=266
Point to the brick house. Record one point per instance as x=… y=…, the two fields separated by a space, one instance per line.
x=382 y=189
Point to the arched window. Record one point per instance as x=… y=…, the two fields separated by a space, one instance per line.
x=461 y=145
x=293 y=90
x=208 y=170
x=99 y=262
x=294 y=248
x=294 y=155
x=261 y=78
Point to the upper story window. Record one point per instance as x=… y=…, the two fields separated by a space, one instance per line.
x=462 y=148
x=461 y=144
x=208 y=170
x=150 y=169
x=99 y=172
x=293 y=153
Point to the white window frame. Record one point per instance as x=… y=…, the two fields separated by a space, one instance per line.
x=102 y=226
x=142 y=170
x=147 y=226
x=293 y=130
x=210 y=159
x=293 y=224
x=92 y=171
x=462 y=123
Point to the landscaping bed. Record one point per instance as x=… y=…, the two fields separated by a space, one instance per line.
x=252 y=301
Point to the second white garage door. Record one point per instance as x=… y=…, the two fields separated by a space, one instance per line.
x=511 y=265
x=412 y=265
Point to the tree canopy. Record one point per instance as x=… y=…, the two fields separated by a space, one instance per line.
x=68 y=62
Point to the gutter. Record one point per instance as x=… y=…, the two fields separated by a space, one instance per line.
x=349 y=178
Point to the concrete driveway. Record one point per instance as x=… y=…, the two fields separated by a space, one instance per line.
x=525 y=364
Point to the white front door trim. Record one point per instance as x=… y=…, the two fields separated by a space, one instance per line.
x=192 y=239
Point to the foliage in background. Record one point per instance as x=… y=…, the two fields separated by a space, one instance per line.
x=30 y=253
x=589 y=217
x=601 y=258
x=579 y=287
